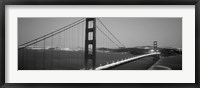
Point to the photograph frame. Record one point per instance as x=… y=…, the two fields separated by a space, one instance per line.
x=99 y=2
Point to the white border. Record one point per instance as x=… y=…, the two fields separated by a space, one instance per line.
x=187 y=75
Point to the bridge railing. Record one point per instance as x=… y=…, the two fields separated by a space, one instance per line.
x=126 y=60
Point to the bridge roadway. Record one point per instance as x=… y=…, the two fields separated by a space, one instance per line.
x=130 y=64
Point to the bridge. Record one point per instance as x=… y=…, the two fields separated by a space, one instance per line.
x=85 y=44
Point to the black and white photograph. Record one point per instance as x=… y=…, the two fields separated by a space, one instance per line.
x=99 y=43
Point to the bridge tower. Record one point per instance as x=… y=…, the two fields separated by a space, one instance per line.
x=155 y=46
x=90 y=42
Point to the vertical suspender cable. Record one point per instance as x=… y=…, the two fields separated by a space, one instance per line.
x=44 y=55
x=52 y=49
x=36 y=55
x=35 y=59
x=59 y=51
x=24 y=59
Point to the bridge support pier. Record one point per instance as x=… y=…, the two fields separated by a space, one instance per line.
x=90 y=42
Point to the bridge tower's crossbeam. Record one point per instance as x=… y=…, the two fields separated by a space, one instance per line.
x=90 y=42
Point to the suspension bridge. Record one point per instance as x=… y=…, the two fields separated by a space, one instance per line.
x=85 y=44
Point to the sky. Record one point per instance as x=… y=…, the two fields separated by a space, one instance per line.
x=130 y=32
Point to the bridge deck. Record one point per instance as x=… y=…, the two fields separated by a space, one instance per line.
x=124 y=61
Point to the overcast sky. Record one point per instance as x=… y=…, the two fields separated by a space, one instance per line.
x=130 y=31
